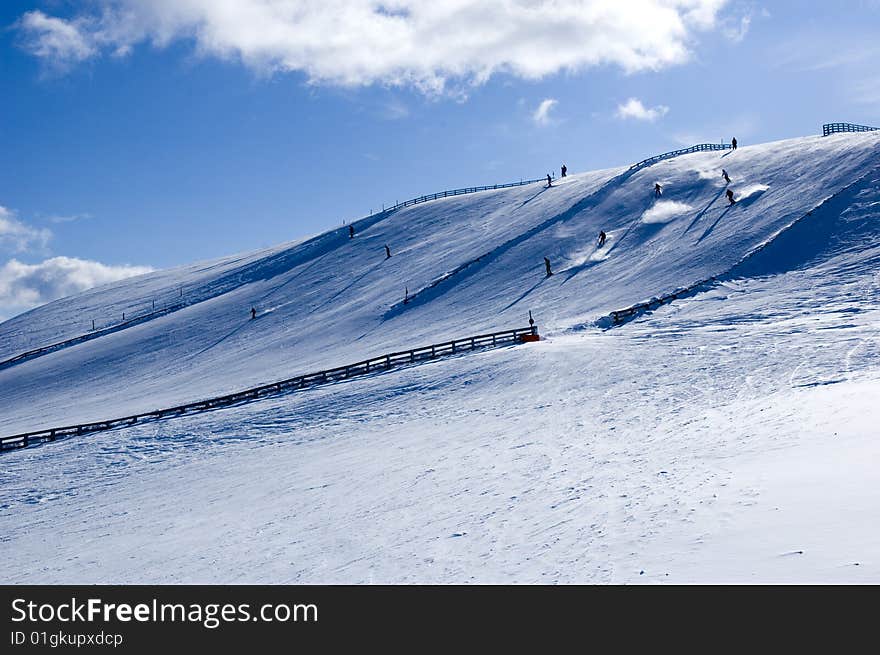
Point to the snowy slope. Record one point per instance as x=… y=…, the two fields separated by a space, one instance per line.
x=723 y=438
x=332 y=300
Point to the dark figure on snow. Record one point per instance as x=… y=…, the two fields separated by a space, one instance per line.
x=548 y=181
x=725 y=176
x=387 y=252
x=601 y=239
x=351 y=231
x=547 y=266
x=564 y=170
x=253 y=313
x=733 y=143
x=730 y=196
x=658 y=190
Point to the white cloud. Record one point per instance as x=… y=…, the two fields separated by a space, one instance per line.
x=398 y=42
x=19 y=237
x=542 y=113
x=23 y=286
x=57 y=41
x=633 y=108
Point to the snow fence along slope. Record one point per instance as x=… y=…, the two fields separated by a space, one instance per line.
x=323 y=306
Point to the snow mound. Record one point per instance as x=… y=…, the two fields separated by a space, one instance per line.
x=751 y=191
x=664 y=211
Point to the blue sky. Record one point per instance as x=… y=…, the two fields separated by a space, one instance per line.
x=139 y=133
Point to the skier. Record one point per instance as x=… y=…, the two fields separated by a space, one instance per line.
x=730 y=196
x=387 y=252
x=351 y=231
x=733 y=143
x=725 y=176
x=253 y=313
x=601 y=238
x=548 y=181
x=547 y=266
x=564 y=170
x=658 y=190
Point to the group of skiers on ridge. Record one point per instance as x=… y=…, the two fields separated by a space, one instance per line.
x=563 y=171
x=658 y=192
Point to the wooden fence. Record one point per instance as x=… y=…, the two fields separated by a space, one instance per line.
x=835 y=128
x=623 y=315
x=376 y=364
x=700 y=147
x=457 y=192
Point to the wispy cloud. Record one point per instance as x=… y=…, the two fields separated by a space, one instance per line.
x=426 y=45
x=18 y=236
x=736 y=31
x=23 y=286
x=395 y=110
x=57 y=42
x=634 y=109
x=541 y=115
x=69 y=218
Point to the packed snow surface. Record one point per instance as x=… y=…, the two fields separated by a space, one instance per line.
x=727 y=437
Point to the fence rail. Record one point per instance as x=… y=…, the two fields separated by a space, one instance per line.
x=835 y=128
x=88 y=336
x=700 y=147
x=458 y=192
x=375 y=364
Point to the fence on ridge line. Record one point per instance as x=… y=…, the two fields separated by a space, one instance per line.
x=700 y=147
x=456 y=192
x=835 y=128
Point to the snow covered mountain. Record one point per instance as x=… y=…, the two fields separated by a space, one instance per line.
x=724 y=437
